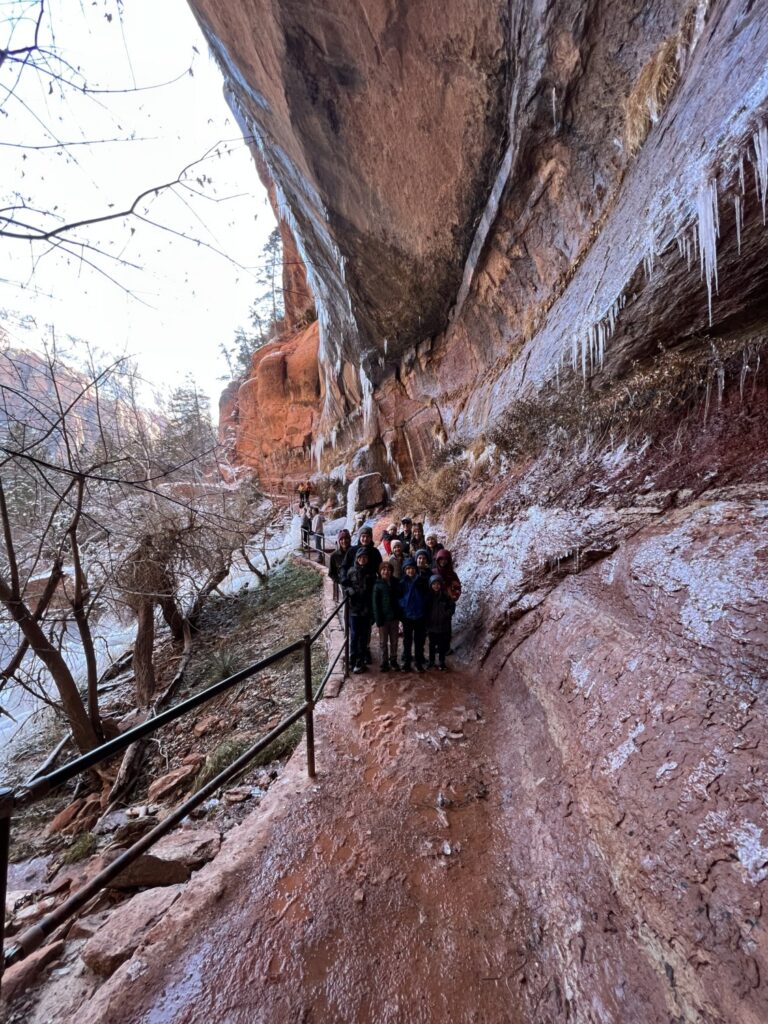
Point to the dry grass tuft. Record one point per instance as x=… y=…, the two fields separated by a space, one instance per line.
x=645 y=104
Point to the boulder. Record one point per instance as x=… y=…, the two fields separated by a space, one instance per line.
x=116 y=940
x=171 y=860
x=65 y=816
x=19 y=977
x=165 y=785
x=367 y=491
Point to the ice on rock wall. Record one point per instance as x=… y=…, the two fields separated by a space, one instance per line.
x=708 y=231
x=760 y=142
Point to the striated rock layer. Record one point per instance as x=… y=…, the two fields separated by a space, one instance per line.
x=536 y=236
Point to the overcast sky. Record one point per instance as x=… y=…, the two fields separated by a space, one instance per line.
x=181 y=299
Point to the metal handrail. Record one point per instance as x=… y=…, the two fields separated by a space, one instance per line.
x=11 y=800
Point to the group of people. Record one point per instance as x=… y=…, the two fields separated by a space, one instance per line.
x=409 y=588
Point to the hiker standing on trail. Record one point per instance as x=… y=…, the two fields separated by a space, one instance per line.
x=306 y=528
x=358 y=585
x=439 y=614
x=336 y=561
x=396 y=559
x=422 y=563
x=387 y=537
x=405 y=535
x=385 y=598
x=365 y=540
x=414 y=594
x=432 y=545
x=418 y=540
x=318 y=525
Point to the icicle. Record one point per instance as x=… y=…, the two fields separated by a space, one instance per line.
x=554 y=108
x=741 y=174
x=584 y=343
x=760 y=142
x=737 y=210
x=743 y=376
x=574 y=350
x=706 y=208
x=386 y=345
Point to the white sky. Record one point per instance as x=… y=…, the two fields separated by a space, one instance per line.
x=194 y=299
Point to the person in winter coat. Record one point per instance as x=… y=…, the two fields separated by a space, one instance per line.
x=386 y=615
x=418 y=540
x=306 y=528
x=318 y=532
x=405 y=535
x=358 y=585
x=443 y=566
x=432 y=545
x=387 y=537
x=422 y=563
x=337 y=561
x=396 y=559
x=414 y=594
x=365 y=540
x=439 y=614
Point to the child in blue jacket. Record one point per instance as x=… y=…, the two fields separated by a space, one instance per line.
x=414 y=591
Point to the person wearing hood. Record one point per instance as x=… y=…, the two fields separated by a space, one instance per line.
x=442 y=564
x=438 y=620
x=422 y=563
x=386 y=615
x=365 y=540
x=336 y=563
x=358 y=586
x=414 y=595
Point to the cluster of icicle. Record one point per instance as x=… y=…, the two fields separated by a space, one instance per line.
x=699 y=242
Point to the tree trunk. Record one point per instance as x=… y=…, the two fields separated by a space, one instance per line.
x=173 y=618
x=83 y=732
x=143 y=668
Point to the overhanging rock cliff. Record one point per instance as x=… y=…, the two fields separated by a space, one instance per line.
x=536 y=236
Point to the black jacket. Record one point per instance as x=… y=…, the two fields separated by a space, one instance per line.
x=374 y=559
x=439 y=613
x=358 y=586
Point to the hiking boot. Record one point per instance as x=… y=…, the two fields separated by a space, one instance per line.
x=394 y=666
x=358 y=668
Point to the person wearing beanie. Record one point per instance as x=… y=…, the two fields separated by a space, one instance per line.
x=414 y=595
x=386 y=615
x=406 y=534
x=358 y=586
x=365 y=540
x=336 y=562
x=440 y=611
x=396 y=559
x=422 y=563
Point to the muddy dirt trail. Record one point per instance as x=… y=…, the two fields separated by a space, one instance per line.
x=406 y=885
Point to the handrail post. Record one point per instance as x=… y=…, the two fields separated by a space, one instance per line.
x=346 y=639
x=6 y=809
x=309 y=716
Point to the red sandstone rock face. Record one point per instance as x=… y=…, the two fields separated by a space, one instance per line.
x=276 y=409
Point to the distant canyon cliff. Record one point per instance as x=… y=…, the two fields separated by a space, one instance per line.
x=534 y=234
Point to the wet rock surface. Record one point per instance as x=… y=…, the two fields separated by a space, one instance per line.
x=436 y=850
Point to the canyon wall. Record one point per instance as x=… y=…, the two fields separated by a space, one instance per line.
x=535 y=234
